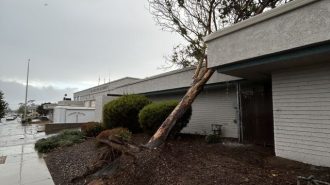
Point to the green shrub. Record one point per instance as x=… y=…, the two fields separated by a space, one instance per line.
x=91 y=129
x=153 y=115
x=213 y=138
x=46 y=145
x=123 y=112
x=65 y=138
x=123 y=134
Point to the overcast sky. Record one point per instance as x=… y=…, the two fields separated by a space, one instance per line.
x=73 y=42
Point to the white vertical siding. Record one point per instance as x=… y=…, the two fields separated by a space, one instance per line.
x=301 y=105
x=211 y=107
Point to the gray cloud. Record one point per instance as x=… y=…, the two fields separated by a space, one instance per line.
x=73 y=42
x=14 y=93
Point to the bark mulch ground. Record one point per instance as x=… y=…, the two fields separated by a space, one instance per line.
x=186 y=160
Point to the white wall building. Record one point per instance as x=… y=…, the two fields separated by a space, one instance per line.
x=288 y=48
x=217 y=104
x=69 y=114
x=280 y=94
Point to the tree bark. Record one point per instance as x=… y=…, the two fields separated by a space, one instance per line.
x=160 y=136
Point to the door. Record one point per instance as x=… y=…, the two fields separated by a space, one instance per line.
x=257 y=113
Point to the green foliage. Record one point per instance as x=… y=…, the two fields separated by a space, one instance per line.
x=3 y=106
x=20 y=109
x=91 y=129
x=124 y=135
x=213 y=138
x=123 y=112
x=193 y=20
x=65 y=138
x=41 y=110
x=153 y=115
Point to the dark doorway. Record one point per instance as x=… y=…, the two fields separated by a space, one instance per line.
x=257 y=113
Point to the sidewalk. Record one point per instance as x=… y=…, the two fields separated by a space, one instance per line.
x=23 y=165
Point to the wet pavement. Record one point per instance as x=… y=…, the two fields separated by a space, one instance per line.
x=22 y=164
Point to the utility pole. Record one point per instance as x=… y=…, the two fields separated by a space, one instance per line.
x=26 y=89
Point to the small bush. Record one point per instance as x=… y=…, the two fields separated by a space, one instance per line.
x=91 y=129
x=153 y=115
x=122 y=134
x=213 y=138
x=65 y=138
x=123 y=112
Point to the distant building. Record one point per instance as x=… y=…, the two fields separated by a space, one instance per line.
x=65 y=103
x=70 y=114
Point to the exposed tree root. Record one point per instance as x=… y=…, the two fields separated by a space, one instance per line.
x=109 y=159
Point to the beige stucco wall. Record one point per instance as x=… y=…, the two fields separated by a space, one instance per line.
x=306 y=25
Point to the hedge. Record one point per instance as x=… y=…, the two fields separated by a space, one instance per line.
x=153 y=115
x=124 y=111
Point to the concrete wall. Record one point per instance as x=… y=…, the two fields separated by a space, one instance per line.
x=216 y=106
x=301 y=100
x=278 y=32
x=99 y=103
x=58 y=116
x=57 y=127
x=72 y=115
x=79 y=116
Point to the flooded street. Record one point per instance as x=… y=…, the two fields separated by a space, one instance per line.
x=20 y=164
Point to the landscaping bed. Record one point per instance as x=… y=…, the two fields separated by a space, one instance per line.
x=68 y=163
x=185 y=160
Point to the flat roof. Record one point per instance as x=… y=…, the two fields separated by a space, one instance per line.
x=106 y=84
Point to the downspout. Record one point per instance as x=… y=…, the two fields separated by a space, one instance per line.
x=239 y=112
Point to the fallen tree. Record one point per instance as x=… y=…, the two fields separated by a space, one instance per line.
x=161 y=134
x=193 y=20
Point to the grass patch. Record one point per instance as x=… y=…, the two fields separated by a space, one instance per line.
x=65 y=138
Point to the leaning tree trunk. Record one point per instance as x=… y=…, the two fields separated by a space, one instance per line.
x=201 y=77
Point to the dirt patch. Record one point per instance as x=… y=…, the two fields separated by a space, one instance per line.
x=68 y=163
x=187 y=160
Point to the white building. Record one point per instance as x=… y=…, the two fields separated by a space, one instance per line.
x=280 y=94
x=51 y=107
x=217 y=104
x=69 y=114
x=286 y=50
